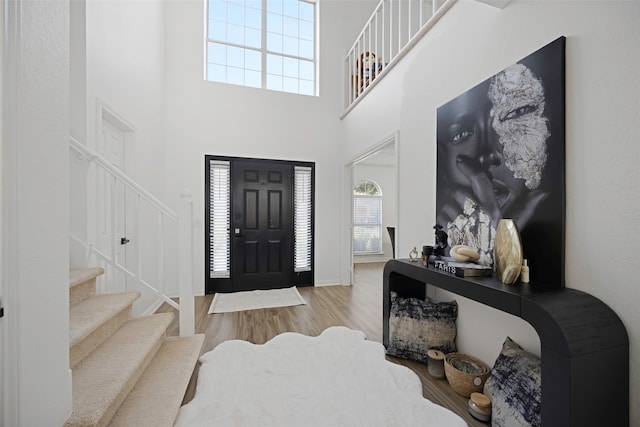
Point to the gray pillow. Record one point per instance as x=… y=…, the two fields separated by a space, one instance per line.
x=514 y=387
x=415 y=326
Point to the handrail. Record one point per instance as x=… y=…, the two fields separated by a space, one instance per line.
x=378 y=33
x=182 y=221
x=126 y=180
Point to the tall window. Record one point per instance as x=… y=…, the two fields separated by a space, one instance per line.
x=219 y=220
x=303 y=224
x=267 y=44
x=367 y=218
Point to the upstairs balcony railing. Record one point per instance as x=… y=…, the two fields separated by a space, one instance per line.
x=394 y=27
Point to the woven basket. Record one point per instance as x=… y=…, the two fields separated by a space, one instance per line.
x=465 y=373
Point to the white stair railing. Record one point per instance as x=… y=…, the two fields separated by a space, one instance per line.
x=111 y=189
x=394 y=27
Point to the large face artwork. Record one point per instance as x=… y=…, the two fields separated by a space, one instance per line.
x=493 y=151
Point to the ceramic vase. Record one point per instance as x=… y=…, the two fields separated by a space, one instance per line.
x=507 y=251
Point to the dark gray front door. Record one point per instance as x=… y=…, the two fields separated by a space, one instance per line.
x=262 y=225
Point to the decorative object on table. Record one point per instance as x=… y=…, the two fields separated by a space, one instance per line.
x=507 y=251
x=463 y=269
x=441 y=240
x=392 y=237
x=413 y=255
x=427 y=251
x=480 y=407
x=465 y=373
x=515 y=387
x=435 y=363
x=530 y=145
x=416 y=326
x=464 y=253
x=524 y=272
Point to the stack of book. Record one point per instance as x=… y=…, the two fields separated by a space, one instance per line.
x=462 y=269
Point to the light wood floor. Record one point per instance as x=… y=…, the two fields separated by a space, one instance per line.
x=357 y=307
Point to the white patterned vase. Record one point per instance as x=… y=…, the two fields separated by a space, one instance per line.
x=507 y=251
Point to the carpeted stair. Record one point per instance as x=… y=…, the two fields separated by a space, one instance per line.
x=126 y=372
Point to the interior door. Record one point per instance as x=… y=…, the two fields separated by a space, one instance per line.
x=262 y=225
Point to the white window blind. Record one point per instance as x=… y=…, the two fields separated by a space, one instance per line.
x=302 y=219
x=367 y=218
x=219 y=220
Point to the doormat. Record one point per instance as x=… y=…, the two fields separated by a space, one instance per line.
x=254 y=300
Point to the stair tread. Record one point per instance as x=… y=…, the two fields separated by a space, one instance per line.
x=80 y=275
x=88 y=315
x=158 y=394
x=100 y=379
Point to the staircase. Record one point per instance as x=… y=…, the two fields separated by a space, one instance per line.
x=126 y=372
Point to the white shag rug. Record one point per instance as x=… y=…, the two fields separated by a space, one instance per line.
x=336 y=379
x=253 y=300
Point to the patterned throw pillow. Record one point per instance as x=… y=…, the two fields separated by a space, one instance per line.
x=415 y=326
x=515 y=387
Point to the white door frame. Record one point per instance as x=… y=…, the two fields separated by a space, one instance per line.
x=349 y=166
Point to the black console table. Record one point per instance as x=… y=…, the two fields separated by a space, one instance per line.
x=584 y=345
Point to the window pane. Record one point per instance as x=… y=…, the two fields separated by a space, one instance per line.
x=290 y=68
x=235 y=14
x=290 y=46
x=218 y=30
x=253 y=60
x=306 y=11
x=306 y=30
x=306 y=49
x=291 y=8
x=274 y=42
x=306 y=70
x=254 y=4
x=253 y=38
x=253 y=78
x=235 y=57
x=235 y=76
x=219 y=221
x=217 y=10
x=290 y=85
x=235 y=34
x=306 y=87
x=290 y=27
x=274 y=23
x=303 y=237
x=217 y=73
x=216 y=53
x=274 y=82
x=253 y=18
x=274 y=64
x=274 y=6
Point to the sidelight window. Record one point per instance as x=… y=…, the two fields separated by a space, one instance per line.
x=219 y=219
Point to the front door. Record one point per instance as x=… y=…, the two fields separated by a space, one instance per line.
x=262 y=225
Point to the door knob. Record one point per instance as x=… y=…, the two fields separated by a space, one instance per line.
x=124 y=240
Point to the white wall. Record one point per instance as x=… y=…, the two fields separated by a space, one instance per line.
x=211 y=118
x=36 y=379
x=385 y=177
x=473 y=42
x=123 y=61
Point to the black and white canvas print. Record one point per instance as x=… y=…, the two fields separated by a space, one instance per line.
x=500 y=154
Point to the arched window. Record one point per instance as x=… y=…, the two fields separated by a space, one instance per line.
x=367 y=218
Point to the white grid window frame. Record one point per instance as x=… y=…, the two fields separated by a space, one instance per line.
x=269 y=44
